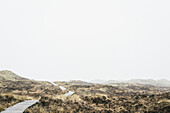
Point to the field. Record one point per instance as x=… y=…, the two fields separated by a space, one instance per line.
x=87 y=97
x=124 y=98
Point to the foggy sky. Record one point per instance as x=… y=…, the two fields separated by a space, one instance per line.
x=85 y=39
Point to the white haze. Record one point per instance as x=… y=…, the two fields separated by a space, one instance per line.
x=85 y=39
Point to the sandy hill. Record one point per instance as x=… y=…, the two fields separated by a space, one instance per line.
x=162 y=82
x=9 y=75
x=79 y=82
x=159 y=83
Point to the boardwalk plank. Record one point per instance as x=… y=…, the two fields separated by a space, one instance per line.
x=20 y=107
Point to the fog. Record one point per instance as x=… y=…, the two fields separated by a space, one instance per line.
x=85 y=39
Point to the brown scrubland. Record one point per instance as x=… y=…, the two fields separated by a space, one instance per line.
x=133 y=98
x=87 y=97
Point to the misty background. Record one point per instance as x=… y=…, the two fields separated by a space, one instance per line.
x=85 y=39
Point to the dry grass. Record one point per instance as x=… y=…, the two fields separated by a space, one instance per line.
x=105 y=99
x=7 y=100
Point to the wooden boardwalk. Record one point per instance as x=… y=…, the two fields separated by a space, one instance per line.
x=63 y=88
x=20 y=107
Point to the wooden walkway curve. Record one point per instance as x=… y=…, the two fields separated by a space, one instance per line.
x=20 y=107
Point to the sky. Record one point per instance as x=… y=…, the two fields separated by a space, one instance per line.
x=85 y=39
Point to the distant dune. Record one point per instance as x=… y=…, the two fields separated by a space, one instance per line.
x=97 y=81
x=9 y=75
x=160 y=83
x=79 y=82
